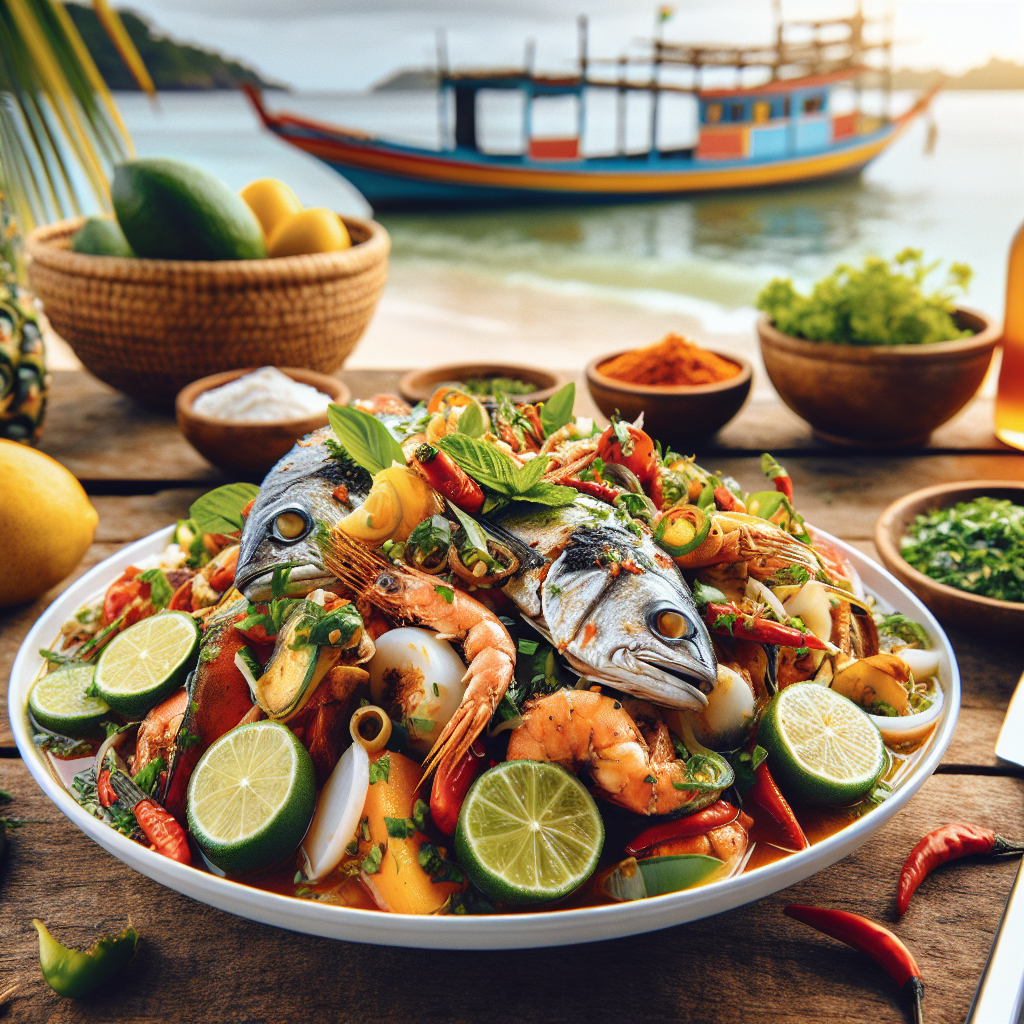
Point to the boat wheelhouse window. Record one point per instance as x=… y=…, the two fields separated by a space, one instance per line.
x=737 y=112
x=813 y=104
x=713 y=113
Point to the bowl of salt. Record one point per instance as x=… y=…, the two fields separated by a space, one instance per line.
x=243 y=421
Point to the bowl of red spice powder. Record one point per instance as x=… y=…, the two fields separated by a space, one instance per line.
x=685 y=392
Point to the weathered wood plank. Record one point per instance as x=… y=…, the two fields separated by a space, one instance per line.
x=100 y=434
x=749 y=964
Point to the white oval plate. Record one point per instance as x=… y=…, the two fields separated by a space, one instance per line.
x=495 y=931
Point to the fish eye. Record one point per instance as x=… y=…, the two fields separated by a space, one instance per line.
x=670 y=624
x=292 y=525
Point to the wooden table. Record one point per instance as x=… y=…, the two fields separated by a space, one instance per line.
x=752 y=964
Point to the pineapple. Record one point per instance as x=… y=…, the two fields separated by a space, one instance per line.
x=23 y=378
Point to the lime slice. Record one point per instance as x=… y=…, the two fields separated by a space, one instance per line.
x=822 y=748
x=251 y=798
x=528 y=832
x=59 y=701
x=147 y=662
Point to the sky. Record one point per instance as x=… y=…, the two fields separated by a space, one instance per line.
x=338 y=45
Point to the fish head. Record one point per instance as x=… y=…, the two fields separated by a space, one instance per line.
x=636 y=629
x=307 y=493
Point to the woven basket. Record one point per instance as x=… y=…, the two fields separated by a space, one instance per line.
x=149 y=327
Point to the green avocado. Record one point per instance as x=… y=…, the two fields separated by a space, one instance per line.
x=169 y=210
x=100 y=236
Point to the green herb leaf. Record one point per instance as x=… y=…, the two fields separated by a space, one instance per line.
x=557 y=410
x=160 y=590
x=149 y=777
x=365 y=438
x=471 y=422
x=897 y=624
x=446 y=592
x=220 y=510
x=421 y=814
x=483 y=462
x=422 y=724
x=529 y=475
x=544 y=493
x=400 y=828
x=371 y=862
x=380 y=770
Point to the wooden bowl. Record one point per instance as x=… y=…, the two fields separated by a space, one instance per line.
x=250 y=449
x=419 y=385
x=957 y=608
x=879 y=396
x=678 y=416
x=149 y=327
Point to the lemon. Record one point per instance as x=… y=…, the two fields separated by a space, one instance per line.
x=252 y=797
x=309 y=231
x=46 y=523
x=822 y=748
x=528 y=832
x=272 y=201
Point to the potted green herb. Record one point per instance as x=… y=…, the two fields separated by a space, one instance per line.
x=871 y=357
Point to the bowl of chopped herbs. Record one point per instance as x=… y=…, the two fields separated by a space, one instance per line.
x=960 y=548
x=870 y=356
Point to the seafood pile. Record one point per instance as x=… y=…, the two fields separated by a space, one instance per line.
x=481 y=654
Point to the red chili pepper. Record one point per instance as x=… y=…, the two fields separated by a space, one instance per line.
x=450 y=788
x=725 y=499
x=636 y=454
x=163 y=831
x=655 y=490
x=869 y=937
x=104 y=790
x=767 y=795
x=947 y=843
x=248 y=508
x=718 y=814
x=182 y=599
x=778 y=475
x=764 y=631
x=600 y=491
x=530 y=412
x=224 y=575
x=121 y=593
x=449 y=478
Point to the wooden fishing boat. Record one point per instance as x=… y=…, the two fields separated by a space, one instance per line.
x=779 y=132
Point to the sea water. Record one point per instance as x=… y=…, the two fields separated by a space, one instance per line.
x=959 y=198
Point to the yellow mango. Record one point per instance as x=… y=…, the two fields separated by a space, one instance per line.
x=309 y=231
x=272 y=201
x=400 y=884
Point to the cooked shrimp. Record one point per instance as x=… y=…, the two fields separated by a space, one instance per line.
x=411 y=596
x=158 y=730
x=626 y=744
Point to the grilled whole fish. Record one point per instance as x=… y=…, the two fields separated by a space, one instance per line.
x=610 y=601
x=308 y=483
x=613 y=603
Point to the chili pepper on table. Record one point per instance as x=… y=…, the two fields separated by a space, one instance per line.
x=718 y=814
x=731 y=620
x=161 y=828
x=767 y=795
x=943 y=844
x=871 y=938
x=450 y=787
x=76 y=972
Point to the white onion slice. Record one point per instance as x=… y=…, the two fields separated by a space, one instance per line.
x=924 y=664
x=338 y=810
x=756 y=589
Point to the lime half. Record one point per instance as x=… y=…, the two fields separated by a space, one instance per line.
x=822 y=748
x=146 y=662
x=251 y=798
x=528 y=832
x=59 y=701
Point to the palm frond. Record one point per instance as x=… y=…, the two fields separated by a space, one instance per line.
x=60 y=130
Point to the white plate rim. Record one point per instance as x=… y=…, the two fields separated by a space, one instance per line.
x=494 y=931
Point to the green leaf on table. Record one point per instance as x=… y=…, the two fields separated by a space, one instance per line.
x=366 y=440
x=220 y=510
x=557 y=410
x=471 y=422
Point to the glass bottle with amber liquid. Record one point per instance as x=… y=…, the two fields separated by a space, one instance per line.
x=1010 y=398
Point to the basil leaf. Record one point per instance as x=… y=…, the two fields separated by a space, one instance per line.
x=160 y=590
x=549 y=494
x=220 y=510
x=557 y=410
x=531 y=473
x=483 y=462
x=471 y=422
x=475 y=536
x=365 y=438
